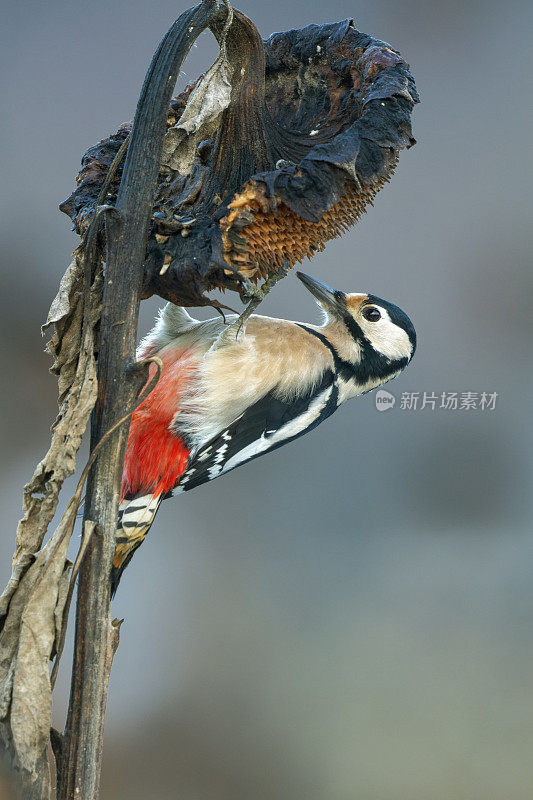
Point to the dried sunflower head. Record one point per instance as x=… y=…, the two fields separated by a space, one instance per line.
x=278 y=148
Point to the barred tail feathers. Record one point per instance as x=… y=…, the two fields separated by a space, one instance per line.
x=135 y=518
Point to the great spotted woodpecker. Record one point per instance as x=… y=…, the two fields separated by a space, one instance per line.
x=223 y=400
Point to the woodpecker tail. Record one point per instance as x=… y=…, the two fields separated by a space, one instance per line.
x=135 y=518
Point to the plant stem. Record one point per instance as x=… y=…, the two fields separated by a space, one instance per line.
x=118 y=386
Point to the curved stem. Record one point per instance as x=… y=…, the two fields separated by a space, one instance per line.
x=127 y=233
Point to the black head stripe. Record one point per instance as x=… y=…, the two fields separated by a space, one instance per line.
x=343 y=368
x=397 y=316
x=354 y=329
x=372 y=366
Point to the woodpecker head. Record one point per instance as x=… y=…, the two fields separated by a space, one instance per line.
x=376 y=337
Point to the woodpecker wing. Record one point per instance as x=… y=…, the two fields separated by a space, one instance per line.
x=268 y=424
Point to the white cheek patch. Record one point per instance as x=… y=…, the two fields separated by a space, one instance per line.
x=386 y=337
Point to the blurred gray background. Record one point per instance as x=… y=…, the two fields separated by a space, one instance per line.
x=349 y=618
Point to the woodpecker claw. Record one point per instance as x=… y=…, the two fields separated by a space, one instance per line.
x=253 y=292
x=255 y=295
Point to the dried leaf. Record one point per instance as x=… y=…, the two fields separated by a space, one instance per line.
x=31 y=606
x=62 y=303
x=200 y=118
x=26 y=645
x=76 y=367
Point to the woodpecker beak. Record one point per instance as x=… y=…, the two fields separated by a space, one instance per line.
x=332 y=300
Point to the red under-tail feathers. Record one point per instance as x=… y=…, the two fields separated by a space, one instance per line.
x=155 y=457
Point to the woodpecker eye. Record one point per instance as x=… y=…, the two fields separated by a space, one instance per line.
x=371 y=313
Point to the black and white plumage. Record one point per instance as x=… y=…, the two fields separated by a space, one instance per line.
x=274 y=419
x=264 y=426
x=227 y=396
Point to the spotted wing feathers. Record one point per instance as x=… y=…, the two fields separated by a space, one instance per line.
x=264 y=426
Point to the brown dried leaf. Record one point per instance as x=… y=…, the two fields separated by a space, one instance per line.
x=76 y=367
x=26 y=645
x=62 y=303
x=200 y=118
x=31 y=606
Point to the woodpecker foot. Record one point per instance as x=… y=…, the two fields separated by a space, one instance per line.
x=255 y=296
